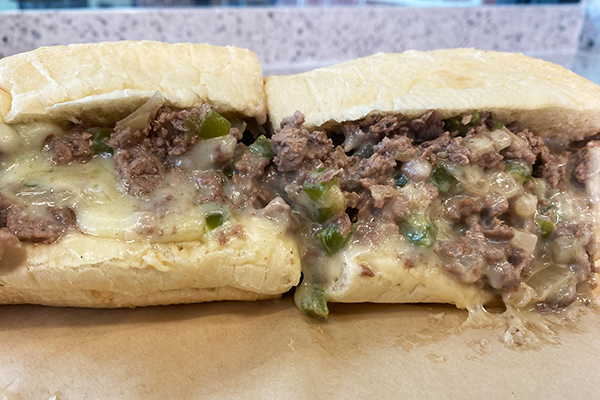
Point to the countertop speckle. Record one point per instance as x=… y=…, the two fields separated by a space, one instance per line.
x=292 y=39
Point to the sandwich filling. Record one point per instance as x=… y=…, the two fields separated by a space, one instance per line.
x=159 y=176
x=491 y=207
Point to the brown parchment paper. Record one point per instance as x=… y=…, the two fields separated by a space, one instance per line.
x=270 y=350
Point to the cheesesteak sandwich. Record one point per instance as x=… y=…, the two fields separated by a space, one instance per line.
x=453 y=176
x=140 y=173
x=124 y=180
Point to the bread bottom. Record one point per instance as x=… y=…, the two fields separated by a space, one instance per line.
x=87 y=271
x=102 y=299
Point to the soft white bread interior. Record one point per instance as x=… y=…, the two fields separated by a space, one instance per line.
x=99 y=83
x=395 y=279
x=546 y=98
x=87 y=271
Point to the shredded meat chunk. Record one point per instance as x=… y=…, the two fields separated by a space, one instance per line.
x=75 y=146
x=428 y=127
x=39 y=229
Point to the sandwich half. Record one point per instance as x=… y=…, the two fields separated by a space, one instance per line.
x=125 y=180
x=455 y=176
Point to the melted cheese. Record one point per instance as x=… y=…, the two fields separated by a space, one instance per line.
x=95 y=193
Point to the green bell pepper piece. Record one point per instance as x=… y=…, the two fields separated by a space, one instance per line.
x=214 y=219
x=214 y=125
x=419 y=230
x=442 y=179
x=262 y=147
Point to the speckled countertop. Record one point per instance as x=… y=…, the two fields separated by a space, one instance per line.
x=587 y=59
x=293 y=39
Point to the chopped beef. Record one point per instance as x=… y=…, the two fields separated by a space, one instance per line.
x=490 y=161
x=398 y=147
x=373 y=164
x=581 y=172
x=380 y=193
x=377 y=168
x=4 y=206
x=525 y=147
x=75 y=146
x=61 y=151
x=297 y=149
x=141 y=171
x=143 y=156
x=536 y=143
x=251 y=165
x=174 y=132
x=447 y=148
x=472 y=258
x=290 y=143
x=39 y=229
x=343 y=222
x=210 y=187
x=395 y=208
x=249 y=191
x=497 y=230
x=553 y=170
x=319 y=146
x=459 y=207
x=126 y=137
x=483 y=254
x=428 y=127
x=522 y=261
x=81 y=143
x=386 y=126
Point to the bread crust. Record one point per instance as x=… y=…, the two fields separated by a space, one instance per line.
x=544 y=97
x=100 y=83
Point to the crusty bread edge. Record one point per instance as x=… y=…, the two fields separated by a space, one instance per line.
x=87 y=77
x=544 y=97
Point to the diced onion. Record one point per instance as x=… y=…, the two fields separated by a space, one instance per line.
x=524 y=240
x=564 y=250
x=479 y=145
x=472 y=179
x=501 y=138
x=519 y=143
x=239 y=124
x=141 y=117
x=526 y=205
x=540 y=188
x=548 y=281
x=505 y=184
x=416 y=170
x=520 y=297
